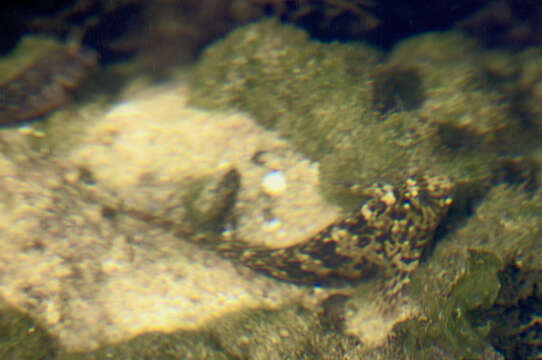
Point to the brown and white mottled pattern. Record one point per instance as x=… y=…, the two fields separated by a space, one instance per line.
x=386 y=235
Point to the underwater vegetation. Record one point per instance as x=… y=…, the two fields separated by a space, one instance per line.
x=428 y=108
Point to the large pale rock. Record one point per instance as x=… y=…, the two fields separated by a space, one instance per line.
x=94 y=273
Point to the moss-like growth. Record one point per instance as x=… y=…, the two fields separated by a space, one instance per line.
x=364 y=122
x=516 y=314
x=519 y=77
x=460 y=98
x=175 y=346
x=398 y=88
x=452 y=324
x=466 y=289
x=22 y=338
x=289 y=83
x=291 y=333
x=209 y=202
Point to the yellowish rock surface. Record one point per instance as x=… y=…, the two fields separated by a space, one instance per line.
x=94 y=277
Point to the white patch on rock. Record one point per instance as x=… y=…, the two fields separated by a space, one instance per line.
x=274 y=183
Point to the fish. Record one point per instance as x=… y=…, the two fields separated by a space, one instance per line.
x=387 y=235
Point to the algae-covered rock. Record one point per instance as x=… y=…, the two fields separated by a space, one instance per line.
x=422 y=110
x=38 y=77
x=526 y=92
x=451 y=326
x=518 y=76
x=317 y=95
x=516 y=315
x=291 y=332
x=289 y=83
x=428 y=108
x=466 y=290
x=22 y=338
x=179 y=345
x=459 y=97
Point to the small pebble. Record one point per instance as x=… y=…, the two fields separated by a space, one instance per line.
x=274 y=183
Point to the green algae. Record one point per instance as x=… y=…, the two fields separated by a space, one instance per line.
x=364 y=119
x=430 y=107
x=399 y=88
x=209 y=202
x=465 y=288
x=257 y=334
x=153 y=345
x=289 y=333
x=451 y=323
x=22 y=338
x=516 y=314
x=288 y=83
x=292 y=332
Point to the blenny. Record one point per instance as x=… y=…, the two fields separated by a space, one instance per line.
x=386 y=235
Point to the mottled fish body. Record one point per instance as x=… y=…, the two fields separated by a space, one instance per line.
x=387 y=235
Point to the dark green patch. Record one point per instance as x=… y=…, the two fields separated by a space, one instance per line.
x=209 y=202
x=397 y=89
x=454 y=325
x=517 y=315
x=22 y=338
